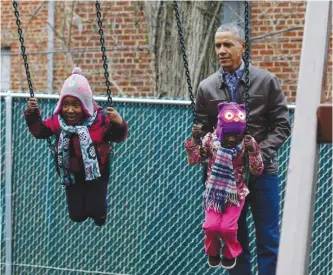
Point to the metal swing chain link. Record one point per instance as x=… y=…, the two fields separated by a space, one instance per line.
x=187 y=72
x=246 y=65
x=103 y=49
x=247 y=84
x=26 y=65
x=25 y=58
x=105 y=64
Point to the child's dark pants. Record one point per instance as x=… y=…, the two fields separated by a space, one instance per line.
x=87 y=199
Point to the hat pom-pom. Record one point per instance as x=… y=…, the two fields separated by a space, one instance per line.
x=77 y=70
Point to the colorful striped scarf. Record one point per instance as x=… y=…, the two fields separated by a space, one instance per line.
x=221 y=188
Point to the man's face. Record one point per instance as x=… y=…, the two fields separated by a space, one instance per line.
x=229 y=50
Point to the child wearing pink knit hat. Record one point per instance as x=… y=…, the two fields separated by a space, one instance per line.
x=83 y=131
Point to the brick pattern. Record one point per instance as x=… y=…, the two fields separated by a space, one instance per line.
x=280 y=53
x=129 y=61
x=33 y=27
x=126 y=39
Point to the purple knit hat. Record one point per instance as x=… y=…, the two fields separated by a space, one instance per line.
x=231 y=119
x=77 y=86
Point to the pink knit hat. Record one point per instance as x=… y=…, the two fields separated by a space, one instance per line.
x=77 y=86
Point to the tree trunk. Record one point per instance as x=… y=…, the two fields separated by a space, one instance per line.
x=199 y=22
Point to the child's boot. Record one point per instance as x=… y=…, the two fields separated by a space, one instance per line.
x=214 y=261
x=228 y=263
x=100 y=221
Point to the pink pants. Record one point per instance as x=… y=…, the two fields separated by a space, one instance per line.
x=224 y=226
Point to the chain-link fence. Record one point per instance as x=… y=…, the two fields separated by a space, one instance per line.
x=155 y=200
x=2 y=186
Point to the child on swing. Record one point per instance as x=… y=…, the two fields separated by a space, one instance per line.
x=83 y=131
x=225 y=187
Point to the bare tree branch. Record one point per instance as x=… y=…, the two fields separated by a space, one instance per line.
x=32 y=16
x=153 y=12
x=196 y=19
x=205 y=46
x=162 y=39
x=275 y=33
x=70 y=26
x=120 y=91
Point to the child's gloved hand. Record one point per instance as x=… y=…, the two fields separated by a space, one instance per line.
x=114 y=116
x=196 y=133
x=32 y=105
x=249 y=143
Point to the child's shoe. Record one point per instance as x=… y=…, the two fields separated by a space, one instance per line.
x=228 y=263
x=100 y=221
x=214 y=261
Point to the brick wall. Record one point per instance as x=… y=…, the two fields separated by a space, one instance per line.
x=126 y=40
x=33 y=39
x=280 y=53
x=123 y=22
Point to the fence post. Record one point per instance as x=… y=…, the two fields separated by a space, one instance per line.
x=8 y=177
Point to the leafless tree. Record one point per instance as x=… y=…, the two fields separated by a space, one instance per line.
x=199 y=21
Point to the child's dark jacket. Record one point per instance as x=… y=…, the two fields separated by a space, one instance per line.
x=101 y=132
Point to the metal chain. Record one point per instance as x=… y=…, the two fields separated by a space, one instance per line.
x=26 y=65
x=105 y=64
x=103 y=49
x=247 y=85
x=246 y=61
x=25 y=58
x=187 y=72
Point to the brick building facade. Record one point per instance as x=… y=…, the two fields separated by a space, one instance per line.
x=276 y=33
x=280 y=53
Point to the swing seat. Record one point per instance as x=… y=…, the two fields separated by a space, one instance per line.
x=324 y=125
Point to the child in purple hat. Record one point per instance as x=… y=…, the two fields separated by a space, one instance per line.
x=225 y=187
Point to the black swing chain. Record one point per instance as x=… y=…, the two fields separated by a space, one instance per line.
x=26 y=65
x=246 y=64
x=247 y=84
x=187 y=71
x=25 y=58
x=105 y=63
x=103 y=49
